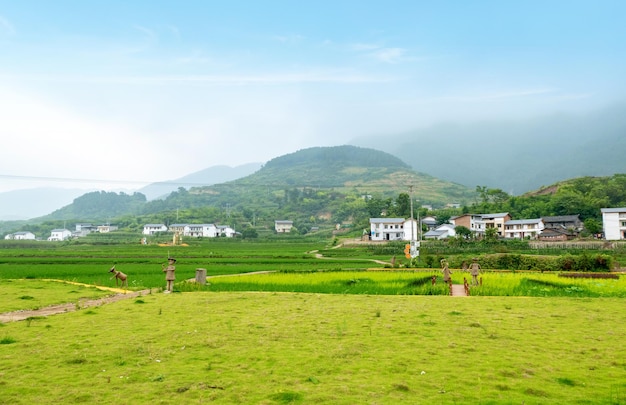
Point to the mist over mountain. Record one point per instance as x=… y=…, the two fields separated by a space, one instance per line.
x=515 y=156
x=209 y=176
x=35 y=202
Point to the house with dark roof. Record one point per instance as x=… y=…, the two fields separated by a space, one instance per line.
x=571 y=223
x=555 y=234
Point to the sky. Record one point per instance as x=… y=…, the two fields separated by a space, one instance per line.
x=119 y=94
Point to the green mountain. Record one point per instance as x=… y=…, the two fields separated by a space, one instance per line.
x=345 y=169
x=315 y=184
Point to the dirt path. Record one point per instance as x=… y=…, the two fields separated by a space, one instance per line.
x=120 y=294
x=321 y=256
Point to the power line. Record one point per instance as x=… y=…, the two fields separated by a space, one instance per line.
x=231 y=183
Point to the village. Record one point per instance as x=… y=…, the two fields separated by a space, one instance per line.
x=501 y=225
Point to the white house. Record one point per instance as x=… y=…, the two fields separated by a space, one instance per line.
x=383 y=229
x=22 y=235
x=614 y=223
x=177 y=228
x=201 y=230
x=523 y=228
x=59 y=234
x=151 y=229
x=225 y=230
x=443 y=231
x=106 y=228
x=283 y=226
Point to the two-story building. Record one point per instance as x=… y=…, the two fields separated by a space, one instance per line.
x=523 y=228
x=283 y=226
x=201 y=230
x=151 y=229
x=614 y=223
x=225 y=230
x=384 y=229
x=57 y=235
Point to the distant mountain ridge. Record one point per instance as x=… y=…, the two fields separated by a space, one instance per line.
x=37 y=202
x=206 y=177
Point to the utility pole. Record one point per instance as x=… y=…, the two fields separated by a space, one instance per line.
x=414 y=250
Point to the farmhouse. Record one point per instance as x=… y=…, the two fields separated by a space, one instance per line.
x=23 y=235
x=151 y=229
x=59 y=235
x=200 y=230
x=443 y=231
x=106 y=228
x=473 y=222
x=555 y=234
x=571 y=223
x=224 y=230
x=384 y=229
x=614 y=223
x=523 y=228
x=283 y=226
x=429 y=222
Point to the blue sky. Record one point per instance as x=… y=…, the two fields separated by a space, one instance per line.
x=143 y=91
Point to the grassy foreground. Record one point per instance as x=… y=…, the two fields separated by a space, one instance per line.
x=277 y=348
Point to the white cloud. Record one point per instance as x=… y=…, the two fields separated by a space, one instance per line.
x=389 y=55
x=289 y=39
x=6 y=27
x=501 y=94
x=302 y=77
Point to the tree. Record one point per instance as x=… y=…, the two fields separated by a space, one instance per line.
x=249 y=233
x=491 y=234
x=592 y=226
x=403 y=205
x=463 y=231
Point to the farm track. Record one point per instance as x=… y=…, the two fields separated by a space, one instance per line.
x=120 y=294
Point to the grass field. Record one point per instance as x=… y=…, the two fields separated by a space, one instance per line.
x=315 y=335
x=278 y=348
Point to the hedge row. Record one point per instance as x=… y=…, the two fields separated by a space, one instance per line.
x=568 y=262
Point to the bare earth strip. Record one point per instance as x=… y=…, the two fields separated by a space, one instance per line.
x=69 y=307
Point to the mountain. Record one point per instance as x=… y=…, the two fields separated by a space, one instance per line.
x=206 y=177
x=308 y=182
x=344 y=168
x=515 y=156
x=38 y=202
